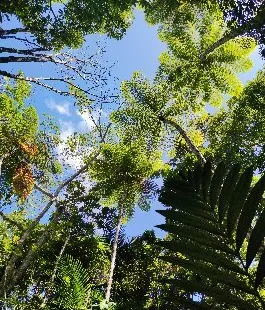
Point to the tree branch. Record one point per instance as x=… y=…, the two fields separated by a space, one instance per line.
x=183 y=133
x=12 y=31
x=37 y=58
x=43 y=191
x=23 y=52
x=230 y=36
x=114 y=254
x=25 y=236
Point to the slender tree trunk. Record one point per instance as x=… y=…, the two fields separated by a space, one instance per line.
x=183 y=133
x=114 y=254
x=13 y=276
x=55 y=271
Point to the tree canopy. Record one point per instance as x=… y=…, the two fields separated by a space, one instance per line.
x=190 y=138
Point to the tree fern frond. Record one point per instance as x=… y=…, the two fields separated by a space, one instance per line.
x=73 y=287
x=249 y=210
x=216 y=225
x=198 y=235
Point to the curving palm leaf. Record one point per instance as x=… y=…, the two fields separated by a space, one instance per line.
x=73 y=287
x=216 y=223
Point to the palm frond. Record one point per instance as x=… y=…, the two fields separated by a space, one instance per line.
x=73 y=287
x=216 y=224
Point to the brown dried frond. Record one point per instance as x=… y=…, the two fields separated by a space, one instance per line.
x=29 y=148
x=23 y=181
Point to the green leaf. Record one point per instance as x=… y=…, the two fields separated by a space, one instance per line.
x=260 y=274
x=220 y=295
x=206 y=180
x=227 y=191
x=193 y=221
x=186 y=204
x=238 y=199
x=198 y=235
x=256 y=239
x=249 y=209
x=211 y=272
x=199 y=252
x=198 y=178
x=216 y=184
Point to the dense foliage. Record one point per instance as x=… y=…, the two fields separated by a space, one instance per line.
x=66 y=197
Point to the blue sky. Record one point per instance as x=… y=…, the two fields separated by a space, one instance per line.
x=138 y=50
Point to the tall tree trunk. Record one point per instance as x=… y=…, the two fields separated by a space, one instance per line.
x=114 y=254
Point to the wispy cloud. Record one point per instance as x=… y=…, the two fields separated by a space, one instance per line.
x=62 y=108
x=86 y=123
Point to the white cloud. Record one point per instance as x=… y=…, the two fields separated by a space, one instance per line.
x=87 y=122
x=73 y=160
x=67 y=129
x=62 y=107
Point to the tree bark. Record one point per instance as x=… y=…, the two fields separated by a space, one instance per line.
x=41 y=58
x=114 y=254
x=12 y=31
x=184 y=135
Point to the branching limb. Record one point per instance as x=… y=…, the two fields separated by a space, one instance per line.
x=25 y=236
x=43 y=191
x=12 y=31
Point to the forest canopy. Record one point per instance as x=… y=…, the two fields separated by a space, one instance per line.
x=188 y=141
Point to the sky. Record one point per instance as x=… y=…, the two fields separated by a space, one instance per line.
x=138 y=50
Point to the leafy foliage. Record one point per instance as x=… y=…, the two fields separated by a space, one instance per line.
x=202 y=81
x=73 y=286
x=215 y=221
x=240 y=128
x=66 y=24
x=122 y=171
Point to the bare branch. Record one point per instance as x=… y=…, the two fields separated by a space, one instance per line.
x=23 y=52
x=43 y=191
x=12 y=31
x=40 y=58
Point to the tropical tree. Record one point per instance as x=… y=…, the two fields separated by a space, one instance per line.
x=57 y=24
x=239 y=128
x=122 y=176
x=243 y=18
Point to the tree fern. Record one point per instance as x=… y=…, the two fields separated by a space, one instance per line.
x=216 y=223
x=73 y=287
